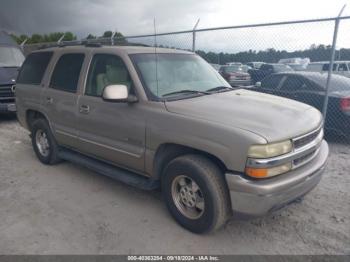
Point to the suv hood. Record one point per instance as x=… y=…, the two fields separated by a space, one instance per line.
x=7 y=74
x=272 y=117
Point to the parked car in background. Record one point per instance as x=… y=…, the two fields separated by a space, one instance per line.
x=246 y=68
x=296 y=63
x=255 y=65
x=234 y=64
x=339 y=67
x=235 y=75
x=11 y=58
x=267 y=69
x=216 y=66
x=171 y=121
x=309 y=88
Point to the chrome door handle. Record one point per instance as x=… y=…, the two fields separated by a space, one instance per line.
x=49 y=100
x=84 y=109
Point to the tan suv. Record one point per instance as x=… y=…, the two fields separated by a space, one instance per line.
x=169 y=120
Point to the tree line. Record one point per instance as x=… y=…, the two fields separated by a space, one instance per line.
x=271 y=55
x=55 y=36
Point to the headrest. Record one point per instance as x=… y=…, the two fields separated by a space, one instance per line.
x=116 y=74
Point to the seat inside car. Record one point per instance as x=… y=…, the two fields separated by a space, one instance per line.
x=114 y=75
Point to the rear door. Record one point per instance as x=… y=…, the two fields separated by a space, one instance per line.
x=60 y=97
x=113 y=132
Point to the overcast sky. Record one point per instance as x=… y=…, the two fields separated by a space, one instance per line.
x=136 y=17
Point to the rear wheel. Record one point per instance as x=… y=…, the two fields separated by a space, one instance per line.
x=44 y=144
x=196 y=193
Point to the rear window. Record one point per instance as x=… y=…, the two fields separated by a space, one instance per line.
x=33 y=68
x=67 y=71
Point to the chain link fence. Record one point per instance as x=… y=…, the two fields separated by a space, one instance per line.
x=288 y=59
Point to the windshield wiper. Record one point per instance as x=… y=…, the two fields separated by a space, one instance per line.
x=220 y=88
x=187 y=91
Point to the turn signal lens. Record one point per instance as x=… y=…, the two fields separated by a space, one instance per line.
x=270 y=150
x=268 y=172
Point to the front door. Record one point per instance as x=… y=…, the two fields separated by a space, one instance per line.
x=113 y=132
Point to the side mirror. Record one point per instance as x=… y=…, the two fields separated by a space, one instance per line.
x=258 y=84
x=118 y=94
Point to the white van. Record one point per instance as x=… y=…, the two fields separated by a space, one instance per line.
x=339 y=67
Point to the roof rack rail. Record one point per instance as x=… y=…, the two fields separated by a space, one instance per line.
x=87 y=44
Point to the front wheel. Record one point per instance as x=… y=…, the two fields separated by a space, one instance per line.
x=196 y=193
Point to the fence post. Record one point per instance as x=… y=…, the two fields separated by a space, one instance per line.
x=331 y=62
x=194 y=36
x=112 y=37
x=61 y=38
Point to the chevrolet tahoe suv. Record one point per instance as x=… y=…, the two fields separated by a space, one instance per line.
x=167 y=119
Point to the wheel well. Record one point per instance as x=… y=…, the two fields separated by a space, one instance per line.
x=167 y=152
x=31 y=116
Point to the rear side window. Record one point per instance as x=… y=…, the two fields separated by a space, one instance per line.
x=33 y=68
x=326 y=67
x=293 y=83
x=271 y=82
x=66 y=73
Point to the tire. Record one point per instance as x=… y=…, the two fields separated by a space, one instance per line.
x=41 y=128
x=196 y=216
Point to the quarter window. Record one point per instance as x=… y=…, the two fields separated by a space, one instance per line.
x=67 y=71
x=106 y=70
x=33 y=68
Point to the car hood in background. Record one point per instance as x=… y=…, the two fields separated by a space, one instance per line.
x=271 y=117
x=7 y=75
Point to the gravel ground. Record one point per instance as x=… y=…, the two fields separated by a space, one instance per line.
x=67 y=209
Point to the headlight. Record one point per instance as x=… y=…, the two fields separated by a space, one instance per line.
x=270 y=150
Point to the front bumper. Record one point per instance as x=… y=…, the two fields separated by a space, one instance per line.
x=7 y=107
x=259 y=197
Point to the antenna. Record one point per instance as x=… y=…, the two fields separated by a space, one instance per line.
x=155 y=51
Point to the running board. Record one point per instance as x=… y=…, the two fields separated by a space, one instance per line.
x=111 y=171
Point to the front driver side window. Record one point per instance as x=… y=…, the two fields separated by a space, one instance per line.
x=106 y=70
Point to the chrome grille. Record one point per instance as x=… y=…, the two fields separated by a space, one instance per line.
x=306 y=139
x=5 y=91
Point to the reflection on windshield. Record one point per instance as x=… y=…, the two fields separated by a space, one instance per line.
x=176 y=72
x=10 y=57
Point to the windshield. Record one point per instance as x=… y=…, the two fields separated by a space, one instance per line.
x=232 y=69
x=10 y=56
x=174 y=73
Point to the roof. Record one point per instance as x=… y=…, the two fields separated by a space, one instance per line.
x=6 y=39
x=127 y=49
x=327 y=62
